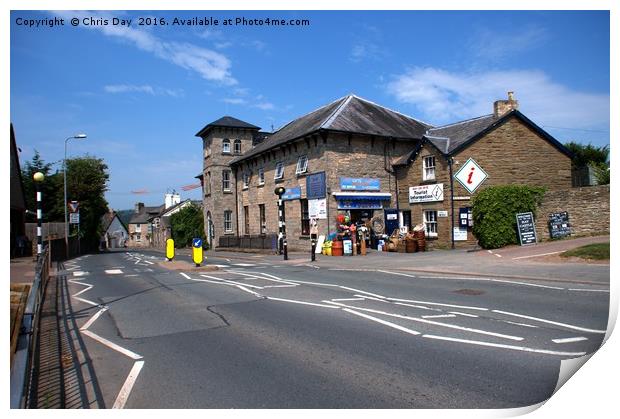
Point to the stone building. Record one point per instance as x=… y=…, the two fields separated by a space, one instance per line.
x=360 y=159
x=438 y=178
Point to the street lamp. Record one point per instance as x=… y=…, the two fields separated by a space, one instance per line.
x=64 y=164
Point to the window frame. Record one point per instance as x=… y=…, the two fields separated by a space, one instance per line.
x=262 y=219
x=429 y=172
x=430 y=224
x=279 y=170
x=227 y=179
x=228 y=220
x=246 y=180
x=236 y=143
x=226 y=146
x=305 y=217
x=302 y=165
x=261 y=176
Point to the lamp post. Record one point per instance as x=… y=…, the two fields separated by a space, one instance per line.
x=38 y=178
x=64 y=164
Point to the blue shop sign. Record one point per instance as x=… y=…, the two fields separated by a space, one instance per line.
x=291 y=193
x=315 y=186
x=359 y=184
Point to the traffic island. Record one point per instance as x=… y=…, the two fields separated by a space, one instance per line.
x=181 y=265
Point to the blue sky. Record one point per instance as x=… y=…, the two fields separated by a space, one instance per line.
x=141 y=93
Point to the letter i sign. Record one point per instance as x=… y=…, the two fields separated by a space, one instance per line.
x=470 y=175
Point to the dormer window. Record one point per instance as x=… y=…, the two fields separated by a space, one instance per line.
x=226 y=146
x=237 y=147
x=279 y=170
x=302 y=165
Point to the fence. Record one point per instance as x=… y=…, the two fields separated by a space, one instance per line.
x=21 y=370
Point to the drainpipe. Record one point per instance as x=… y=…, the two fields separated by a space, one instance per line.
x=450 y=162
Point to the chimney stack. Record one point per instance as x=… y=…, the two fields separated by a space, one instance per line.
x=501 y=107
x=139 y=207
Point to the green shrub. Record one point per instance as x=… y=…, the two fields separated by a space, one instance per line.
x=495 y=209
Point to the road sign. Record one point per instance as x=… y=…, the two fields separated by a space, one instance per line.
x=74 y=218
x=197 y=242
x=470 y=175
x=74 y=206
x=526 y=227
x=197 y=251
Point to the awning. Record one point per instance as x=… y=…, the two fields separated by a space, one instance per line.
x=380 y=196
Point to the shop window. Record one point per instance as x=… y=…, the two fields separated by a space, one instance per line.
x=226 y=146
x=429 y=168
x=430 y=222
x=261 y=176
x=246 y=180
x=226 y=180
x=246 y=220
x=302 y=165
x=305 y=218
x=237 y=146
x=262 y=219
x=279 y=170
x=228 y=222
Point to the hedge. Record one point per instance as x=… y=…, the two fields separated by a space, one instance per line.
x=495 y=209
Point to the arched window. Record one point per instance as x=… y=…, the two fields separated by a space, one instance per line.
x=225 y=145
x=237 y=146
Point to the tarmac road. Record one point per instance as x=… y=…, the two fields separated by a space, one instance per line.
x=258 y=334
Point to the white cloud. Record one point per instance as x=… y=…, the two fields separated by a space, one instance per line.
x=147 y=89
x=491 y=45
x=442 y=97
x=235 y=101
x=265 y=106
x=209 y=64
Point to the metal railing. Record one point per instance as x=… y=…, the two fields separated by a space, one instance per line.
x=21 y=370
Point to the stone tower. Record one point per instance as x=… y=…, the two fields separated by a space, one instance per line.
x=222 y=140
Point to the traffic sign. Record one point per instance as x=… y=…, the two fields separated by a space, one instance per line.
x=74 y=206
x=470 y=175
x=196 y=242
x=74 y=218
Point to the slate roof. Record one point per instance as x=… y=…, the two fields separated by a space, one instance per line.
x=146 y=214
x=350 y=114
x=228 y=122
x=449 y=139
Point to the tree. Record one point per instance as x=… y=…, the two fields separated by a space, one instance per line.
x=595 y=157
x=187 y=224
x=47 y=187
x=87 y=179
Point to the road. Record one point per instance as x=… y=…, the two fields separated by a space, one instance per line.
x=267 y=335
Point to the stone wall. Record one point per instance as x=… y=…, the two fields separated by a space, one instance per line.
x=588 y=210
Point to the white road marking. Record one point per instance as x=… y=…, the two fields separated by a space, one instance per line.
x=369 y=298
x=534 y=256
x=231 y=282
x=264 y=276
x=587 y=290
x=113 y=271
x=569 y=326
x=520 y=324
x=221 y=266
x=568 y=340
x=397 y=273
x=80 y=273
x=88 y=286
x=417 y=306
x=362 y=292
x=438 y=316
x=498 y=345
x=302 y=302
x=348 y=299
x=438 y=304
x=150 y=263
x=123 y=395
x=462 y=314
x=87 y=301
x=185 y=275
x=386 y=323
x=450 y=326
x=92 y=319
x=244 y=264
x=132 y=275
x=112 y=345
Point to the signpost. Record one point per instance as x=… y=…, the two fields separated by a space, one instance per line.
x=315 y=186
x=426 y=193
x=470 y=175
x=527 y=229
x=291 y=193
x=197 y=251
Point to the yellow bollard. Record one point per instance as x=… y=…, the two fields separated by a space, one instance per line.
x=197 y=251
x=169 y=249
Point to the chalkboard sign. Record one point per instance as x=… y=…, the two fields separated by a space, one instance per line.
x=527 y=230
x=559 y=225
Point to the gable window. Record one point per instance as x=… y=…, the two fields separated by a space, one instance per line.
x=226 y=180
x=430 y=223
x=237 y=147
x=302 y=165
x=428 y=171
x=246 y=180
x=279 y=170
x=226 y=145
x=228 y=221
x=261 y=176
x=305 y=218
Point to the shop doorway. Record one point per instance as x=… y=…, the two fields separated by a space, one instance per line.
x=361 y=216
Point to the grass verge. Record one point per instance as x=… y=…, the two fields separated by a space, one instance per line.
x=597 y=251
